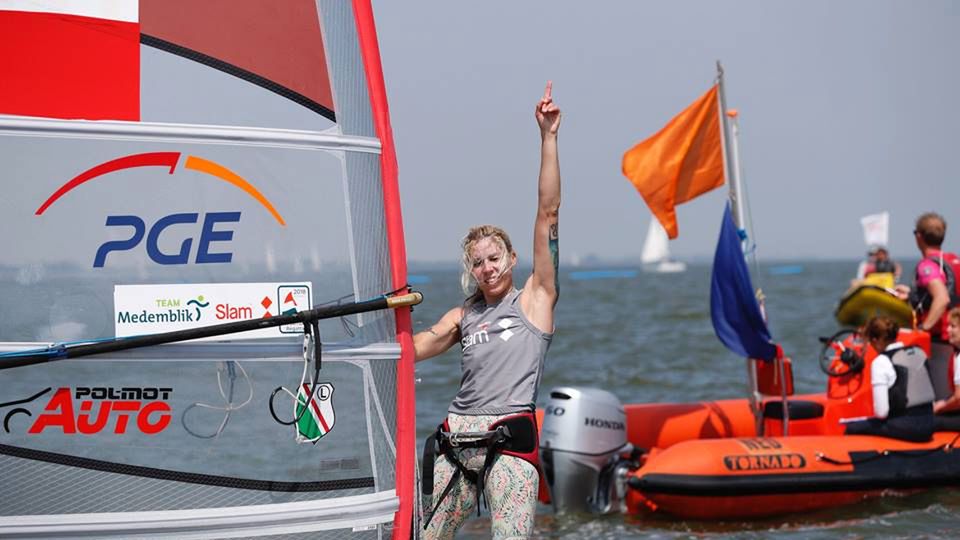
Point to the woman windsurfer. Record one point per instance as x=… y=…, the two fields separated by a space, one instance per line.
x=488 y=444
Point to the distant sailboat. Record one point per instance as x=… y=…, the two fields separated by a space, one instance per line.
x=656 y=252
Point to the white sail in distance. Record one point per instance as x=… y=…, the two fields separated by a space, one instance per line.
x=655 y=256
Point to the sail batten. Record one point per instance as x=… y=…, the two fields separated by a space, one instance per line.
x=191 y=133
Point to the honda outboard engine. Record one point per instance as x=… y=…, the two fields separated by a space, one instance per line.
x=584 y=448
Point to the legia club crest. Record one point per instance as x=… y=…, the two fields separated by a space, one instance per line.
x=319 y=418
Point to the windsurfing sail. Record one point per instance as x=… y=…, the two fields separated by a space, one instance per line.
x=171 y=164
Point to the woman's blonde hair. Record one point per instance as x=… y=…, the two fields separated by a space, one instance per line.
x=499 y=237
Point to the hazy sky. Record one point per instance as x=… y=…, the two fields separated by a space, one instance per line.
x=846 y=109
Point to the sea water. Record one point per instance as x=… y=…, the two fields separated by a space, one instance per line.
x=648 y=338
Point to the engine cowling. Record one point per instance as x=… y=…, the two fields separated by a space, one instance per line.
x=583 y=434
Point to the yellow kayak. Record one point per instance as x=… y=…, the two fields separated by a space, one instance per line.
x=873 y=296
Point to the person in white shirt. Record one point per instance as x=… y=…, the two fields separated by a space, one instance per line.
x=902 y=392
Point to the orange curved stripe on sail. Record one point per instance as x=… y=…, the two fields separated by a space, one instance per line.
x=215 y=169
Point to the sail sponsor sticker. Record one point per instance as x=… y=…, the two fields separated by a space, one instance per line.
x=156 y=308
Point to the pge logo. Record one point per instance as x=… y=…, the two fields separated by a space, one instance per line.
x=92 y=410
x=212 y=228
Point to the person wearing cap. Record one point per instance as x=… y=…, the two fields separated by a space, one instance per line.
x=879 y=261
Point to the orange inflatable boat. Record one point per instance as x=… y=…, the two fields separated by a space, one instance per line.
x=729 y=459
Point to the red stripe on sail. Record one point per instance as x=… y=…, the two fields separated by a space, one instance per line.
x=68 y=66
x=282 y=45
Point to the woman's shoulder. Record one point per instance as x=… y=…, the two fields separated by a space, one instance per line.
x=882 y=369
x=454 y=315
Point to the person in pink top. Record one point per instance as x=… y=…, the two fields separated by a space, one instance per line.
x=934 y=292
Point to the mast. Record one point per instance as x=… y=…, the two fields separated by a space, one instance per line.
x=731 y=159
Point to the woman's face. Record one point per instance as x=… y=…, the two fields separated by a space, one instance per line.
x=492 y=267
x=953 y=332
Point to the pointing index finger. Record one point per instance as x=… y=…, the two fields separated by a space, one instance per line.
x=548 y=90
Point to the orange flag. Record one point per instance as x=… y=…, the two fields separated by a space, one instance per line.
x=680 y=162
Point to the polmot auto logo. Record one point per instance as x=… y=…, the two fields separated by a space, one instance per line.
x=213 y=228
x=90 y=410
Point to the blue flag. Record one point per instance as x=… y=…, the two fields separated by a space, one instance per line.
x=733 y=307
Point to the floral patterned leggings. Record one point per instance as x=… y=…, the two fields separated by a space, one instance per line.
x=511 y=489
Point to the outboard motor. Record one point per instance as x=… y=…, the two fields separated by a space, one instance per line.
x=584 y=450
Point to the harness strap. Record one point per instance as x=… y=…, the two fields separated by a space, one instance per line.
x=493 y=441
x=426 y=487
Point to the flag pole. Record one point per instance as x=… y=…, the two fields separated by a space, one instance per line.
x=732 y=170
x=731 y=158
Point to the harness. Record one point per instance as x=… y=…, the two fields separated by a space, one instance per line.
x=514 y=435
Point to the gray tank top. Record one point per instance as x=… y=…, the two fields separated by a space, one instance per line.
x=502 y=359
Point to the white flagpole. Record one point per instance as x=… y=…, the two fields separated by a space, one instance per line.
x=730 y=155
x=731 y=159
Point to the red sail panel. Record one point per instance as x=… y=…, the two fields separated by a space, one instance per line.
x=61 y=65
x=278 y=43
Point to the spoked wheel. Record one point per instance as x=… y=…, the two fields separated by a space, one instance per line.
x=842 y=353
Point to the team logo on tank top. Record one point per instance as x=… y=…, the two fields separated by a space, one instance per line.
x=506 y=323
x=482 y=335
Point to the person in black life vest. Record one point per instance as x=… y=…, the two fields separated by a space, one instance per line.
x=948 y=409
x=902 y=392
x=488 y=446
x=884 y=264
x=878 y=262
x=935 y=291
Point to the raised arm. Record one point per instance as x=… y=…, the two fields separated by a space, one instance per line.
x=542 y=289
x=439 y=337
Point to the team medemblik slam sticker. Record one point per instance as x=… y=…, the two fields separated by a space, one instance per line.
x=156 y=308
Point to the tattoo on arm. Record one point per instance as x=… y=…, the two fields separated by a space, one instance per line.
x=554 y=243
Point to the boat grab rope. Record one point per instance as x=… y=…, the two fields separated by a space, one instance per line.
x=63 y=351
x=948 y=447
